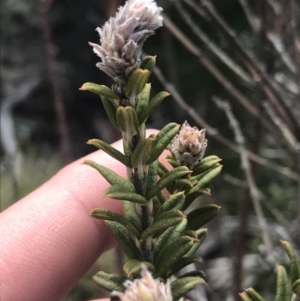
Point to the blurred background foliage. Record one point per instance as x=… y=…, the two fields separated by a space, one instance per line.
x=244 y=52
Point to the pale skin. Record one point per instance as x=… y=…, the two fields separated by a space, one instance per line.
x=48 y=240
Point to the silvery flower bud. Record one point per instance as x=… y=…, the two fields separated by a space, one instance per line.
x=123 y=36
x=189 y=145
x=144 y=289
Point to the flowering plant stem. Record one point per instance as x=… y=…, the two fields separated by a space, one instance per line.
x=158 y=238
x=156 y=235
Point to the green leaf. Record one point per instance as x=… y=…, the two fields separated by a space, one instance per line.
x=163 y=138
x=206 y=179
x=110 y=176
x=294 y=263
x=175 y=201
x=245 y=297
x=142 y=152
x=111 y=282
x=170 y=159
x=161 y=197
x=192 y=196
x=111 y=151
x=152 y=175
x=162 y=170
x=172 y=254
x=253 y=294
x=119 y=192
x=164 y=221
x=143 y=100
x=108 y=98
x=101 y=90
x=197 y=273
x=167 y=179
x=168 y=237
x=111 y=111
x=181 y=263
x=108 y=215
x=205 y=164
x=153 y=104
x=127 y=120
x=181 y=286
x=148 y=63
x=282 y=285
x=124 y=237
x=296 y=288
x=215 y=169
x=200 y=216
x=136 y=82
x=130 y=213
x=201 y=235
x=134 y=267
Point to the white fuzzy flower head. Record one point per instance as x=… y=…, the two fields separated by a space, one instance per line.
x=144 y=289
x=189 y=145
x=122 y=38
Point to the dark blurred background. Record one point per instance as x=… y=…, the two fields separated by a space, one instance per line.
x=244 y=52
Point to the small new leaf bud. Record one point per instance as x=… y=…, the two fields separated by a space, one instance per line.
x=189 y=145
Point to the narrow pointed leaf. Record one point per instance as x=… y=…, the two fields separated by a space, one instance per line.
x=100 y=90
x=296 y=288
x=110 y=176
x=134 y=266
x=200 y=216
x=137 y=82
x=205 y=164
x=108 y=215
x=167 y=179
x=163 y=138
x=200 y=176
x=111 y=111
x=172 y=254
x=166 y=220
x=130 y=213
x=181 y=286
x=118 y=192
x=282 y=285
x=253 y=294
x=162 y=170
x=195 y=273
x=153 y=104
x=294 y=262
x=111 y=151
x=142 y=152
x=111 y=282
x=175 y=201
x=143 y=100
x=201 y=235
x=245 y=297
x=152 y=175
x=206 y=179
x=168 y=237
x=127 y=120
x=170 y=159
x=161 y=197
x=124 y=237
x=108 y=98
x=182 y=263
x=191 y=197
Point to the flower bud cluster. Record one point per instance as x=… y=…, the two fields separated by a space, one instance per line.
x=144 y=289
x=189 y=145
x=123 y=36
